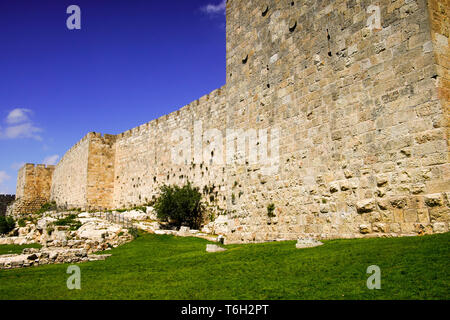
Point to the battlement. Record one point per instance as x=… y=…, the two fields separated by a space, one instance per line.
x=5 y=201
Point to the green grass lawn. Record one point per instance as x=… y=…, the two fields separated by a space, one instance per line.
x=167 y=267
x=14 y=249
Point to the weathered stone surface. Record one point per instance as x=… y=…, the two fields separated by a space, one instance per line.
x=5 y=201
x=364 y=229
x=307 y=243
x=366 y=205
x=356 y=106
x=433 y=200
x=184 y=231
x=214 y=248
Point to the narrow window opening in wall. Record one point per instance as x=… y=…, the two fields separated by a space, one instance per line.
x=244 y=61
x=268 y=85
x=292 y=3
x=212 y=154
x=265 y=9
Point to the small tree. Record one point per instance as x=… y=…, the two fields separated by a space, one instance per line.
x=7 y=224
x=181 y=205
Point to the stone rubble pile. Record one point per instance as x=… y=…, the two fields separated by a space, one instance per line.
x=35 y=257
x=59 y=243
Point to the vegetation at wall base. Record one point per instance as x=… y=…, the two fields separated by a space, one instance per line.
x=46 y=207
x=177 y=268
x=180 y=205
x=69 y=221
x=7 y=224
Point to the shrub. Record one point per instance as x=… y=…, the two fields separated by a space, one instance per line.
x=7 y=224
x=50 y=230
x=47 y=207
x=133 y=232
x=21 y=223
x=181 y=205
x=270 y=210
x=69 y=221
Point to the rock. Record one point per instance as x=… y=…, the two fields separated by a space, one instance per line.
x=364 y=229
x=84 y=215
x=440 y=227
x=365 y=206
x=136 y=215
x=307 y=243
x=334 y=187
x=184 y=232
x=214 y=248
x=151 y=213
x=433 y=200
x=398 y=203
x=59 y=235
x=44 y=222
x=206 y=229
x=32 y=257
x=97 y=257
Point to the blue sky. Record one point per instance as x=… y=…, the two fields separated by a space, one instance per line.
x=131 y=62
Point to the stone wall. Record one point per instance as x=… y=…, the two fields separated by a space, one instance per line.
x=345 y=104
x=34 y=181
x=100 y=171
x=5 y=201
x=144 y=162
x=33 y=188
x=69 y=184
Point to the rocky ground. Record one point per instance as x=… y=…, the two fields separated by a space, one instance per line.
x=71 y=237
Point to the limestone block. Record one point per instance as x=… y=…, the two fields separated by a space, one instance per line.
x=307 y=243
x=214 y=248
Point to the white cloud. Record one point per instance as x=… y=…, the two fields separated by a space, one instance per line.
x=51 y=160
x=20 y=126
x=3 y=177
x=25 y=130
x=212 y=9
x=18 y=115
x=3 y=188
x=17 y=165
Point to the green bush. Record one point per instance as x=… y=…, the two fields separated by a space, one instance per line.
x=21 y=223
x=47 y=207
x=69 y=221
x=133 y=232
x=7 y=224
x=180 y=205
x=270 y=210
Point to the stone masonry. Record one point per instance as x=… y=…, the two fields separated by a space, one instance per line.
x=5 y=201
x=354 y=95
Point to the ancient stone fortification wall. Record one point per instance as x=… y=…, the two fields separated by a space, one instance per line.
x=354 y=98
x=144 y=155
x=5 y=201
x=34 y=181
x=439 y=12
x=100 y=171
x=69 y=185
x=33 y=188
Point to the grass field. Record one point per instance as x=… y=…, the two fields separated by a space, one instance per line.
x=167 y=267
x=15 y=249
